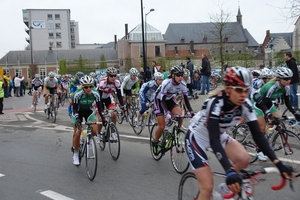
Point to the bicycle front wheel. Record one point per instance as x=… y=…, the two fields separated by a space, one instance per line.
x=188 y=187
x=63 y=99
x=120 y=116
x=151 y=120
x=178 y=155
x=91 y=160
x=152 y=134
x=114 y=141
x=137 y=128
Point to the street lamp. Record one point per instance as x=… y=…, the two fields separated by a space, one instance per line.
x=30 y=35
x=151 y=10
x=143 y=41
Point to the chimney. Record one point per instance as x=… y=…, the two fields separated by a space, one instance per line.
x=182 y=39
x=268 y=33
x=126 y=31
x=115 y=42
x=192 y=46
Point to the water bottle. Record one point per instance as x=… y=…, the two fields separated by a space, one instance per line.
x=145 y=114
x=82 y=137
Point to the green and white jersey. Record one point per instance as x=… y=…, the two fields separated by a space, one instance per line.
x=271 y=90
x=86 y=101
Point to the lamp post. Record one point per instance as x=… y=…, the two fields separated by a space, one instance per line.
x=151 y=10
x=143 y=41
x=31 y=54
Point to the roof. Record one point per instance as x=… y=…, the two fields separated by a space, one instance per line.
x=288 y=37
x=198 y=31
x=251 y=41
x=51 y=56
x=152 y=34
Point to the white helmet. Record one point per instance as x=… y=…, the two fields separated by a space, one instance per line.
x=133 y=71
x=37 y=76
x=284 y=72
x=51 y=74
x=266 y=73
x=92 y=74
x=111 y=71
x=238 y=76
x=256 y=72
x=86 y=80
x=158 y=75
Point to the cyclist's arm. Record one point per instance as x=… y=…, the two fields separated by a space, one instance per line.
x=288 y=104
x=120 y=97
x=264 y=104
x=187 y=103
x=143 y=94
x=124 y=82
x=260 y=140
x=100 y=109
x=136 y=87
x=75 y=109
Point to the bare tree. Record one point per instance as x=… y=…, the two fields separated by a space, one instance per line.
x=290 y=10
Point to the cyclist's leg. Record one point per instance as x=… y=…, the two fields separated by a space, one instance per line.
x=111 y=105
x=33 y=95
x=47 y=92
x=76 y=138
x=70 y=104
x=142 y=110
x=93 y=118
x=176 y=110
x=39 y=92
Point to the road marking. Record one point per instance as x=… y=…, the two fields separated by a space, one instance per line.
x=1 y=175
x=54 y=195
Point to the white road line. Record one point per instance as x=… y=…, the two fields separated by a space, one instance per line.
x=1 y=175
x=54 y=195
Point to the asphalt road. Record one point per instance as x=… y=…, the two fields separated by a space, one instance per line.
x=36 y=163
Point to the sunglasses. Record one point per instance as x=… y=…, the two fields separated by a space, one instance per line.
x=179 y=75
x=286 y=79
x=240 y=89
x=86 y=87
x=112 y=75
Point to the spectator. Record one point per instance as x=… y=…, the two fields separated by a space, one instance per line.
x=225 y=66
x=190 y=67
x=156 y=68
x=1 y=95
x=148 y=74
x=17 y=83
x=11 y=86
x=6 y=80
x=165 y=75
x=291 y=63
x=22 y=88
x=205 y=74
x=197 y=79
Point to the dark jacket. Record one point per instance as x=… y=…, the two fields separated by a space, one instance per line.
x=190 y=67
x=206 y=70
x=293 y=66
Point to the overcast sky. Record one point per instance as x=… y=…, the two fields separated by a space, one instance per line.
x=100 y=20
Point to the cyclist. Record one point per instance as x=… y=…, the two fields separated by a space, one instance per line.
x=37 y=86
x=130 y=82
x=50 y=86
x=147 y=93
x=83 y=101
x=256 y=73
x=263 y=77
x=165 y=102
x=263 y=100
x=74 y=84
x=223 y=109
x=65 y=84
x=93 y=75
x=108 y=86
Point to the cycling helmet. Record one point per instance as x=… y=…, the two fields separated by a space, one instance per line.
x=133 y=71
x=158 y=75
x=79 y=74
x=284 y=72
x=93 y=74
x=51 y=74
x=111 y=71
x=238 y=76
x=256 y=72
x=37 y=76
x=177 y=70
x=58 y=75
x=266 y=73
x=86 y=80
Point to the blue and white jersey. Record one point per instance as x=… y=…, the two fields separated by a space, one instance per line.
x=170 y=89
x=256 y=85
x=147 y=91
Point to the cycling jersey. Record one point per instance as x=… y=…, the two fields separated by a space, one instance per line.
x=147 y=91
x=74 y=84
x=106 y=89
x=36 y=83
x=129 y=84
x=256 y=84
x=208 y=125
x=50 y=83
x=65 y=84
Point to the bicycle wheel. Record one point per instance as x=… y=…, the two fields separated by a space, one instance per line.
x=120 y=117
x=287 y=147
x=188 y=187
x=178 y=155
x=129 y=114
x=54 y=112
x=91 y=160
x=114 y=141
x=151 y=120
x=152 y=134
x=102 y=142
x=63 y=99
x=138 y=128
x=240 y=132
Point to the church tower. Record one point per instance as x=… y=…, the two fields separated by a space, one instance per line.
x=239 y=17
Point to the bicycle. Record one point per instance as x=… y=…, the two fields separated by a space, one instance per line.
x=189 y=188
x=173 y=142
x=87 y=148
x=63 y=98
x=278 y=137
x=105 y=136
x=52 y=109
x=147 y=119
x=35 y=103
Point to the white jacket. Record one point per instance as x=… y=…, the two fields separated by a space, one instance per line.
x=17 y=81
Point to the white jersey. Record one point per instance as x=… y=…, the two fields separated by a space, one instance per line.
x=147 y=91
x=108 y=88
x=36 y=83
x=226 y=115
x=50 y=83
x=170 y=89
x=128 y=83
x=256 y=85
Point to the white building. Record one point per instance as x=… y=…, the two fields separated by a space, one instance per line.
x=50 y=29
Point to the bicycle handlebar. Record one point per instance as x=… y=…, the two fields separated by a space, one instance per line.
x=247 y=174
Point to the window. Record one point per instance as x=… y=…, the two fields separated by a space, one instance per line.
x=42 y=73
x=49 y=16
x=72 y=30
x=57 y=16
x=73 y=45
x=58 y=44
x=18 y=71
x=50 y=44
x=58 y=35
x=157 y=51
x=57 y=25
x=6 y=70
x=51 y=35
x=50 y=26
x=72 y=37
